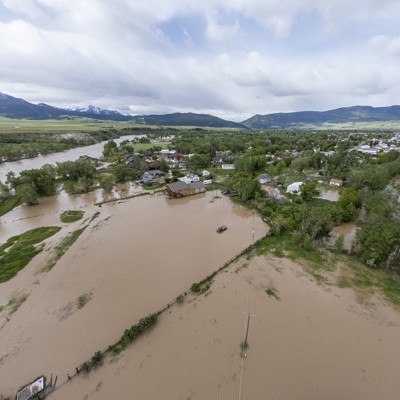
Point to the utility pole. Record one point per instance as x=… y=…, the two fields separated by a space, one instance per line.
x=253 y=229
x=244 y=344
x=247 y=329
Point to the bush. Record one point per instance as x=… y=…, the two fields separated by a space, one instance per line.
x=71 y=216
x=195 y=288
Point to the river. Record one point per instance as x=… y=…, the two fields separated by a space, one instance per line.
x=94 y=151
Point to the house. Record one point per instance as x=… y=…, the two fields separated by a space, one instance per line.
x=150 y=175
x=206 y=173
x=368 y=150
x=181 y=189
x=190 y=178
x=264 y=178
x=217 y=160
x=294 y=188
x=336 y=182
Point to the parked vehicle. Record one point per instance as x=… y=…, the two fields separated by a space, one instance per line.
x=221 y=229
x=229 y=193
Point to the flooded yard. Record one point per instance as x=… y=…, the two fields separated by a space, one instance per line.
x=329 y=194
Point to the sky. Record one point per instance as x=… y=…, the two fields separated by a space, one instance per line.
x=229 y=58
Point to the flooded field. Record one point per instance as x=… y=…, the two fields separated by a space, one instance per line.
x=138 y=255
x=48 y=211
x=296 y=351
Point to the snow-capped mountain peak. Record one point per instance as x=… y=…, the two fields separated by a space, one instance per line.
x=96 y=110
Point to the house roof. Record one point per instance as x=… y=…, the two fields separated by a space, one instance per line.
x=153 y=172
x=264 y=177
x=176 y=186
x=294 y=186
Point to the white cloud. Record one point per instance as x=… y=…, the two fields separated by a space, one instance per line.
x=220 y=32
x=241 y=57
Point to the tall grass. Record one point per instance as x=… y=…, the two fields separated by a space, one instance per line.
x=19 y=250
x=62 y=247
x=9 y=204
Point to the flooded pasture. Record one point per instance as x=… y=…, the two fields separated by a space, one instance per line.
x=47 y=212
x=138 y=255
x=295 y=349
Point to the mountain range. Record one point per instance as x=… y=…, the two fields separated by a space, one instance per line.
x=12 y=107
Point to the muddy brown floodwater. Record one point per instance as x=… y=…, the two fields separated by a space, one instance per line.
x=310 y=341
x=331 y=195
x=47 y=212
x=137 y=256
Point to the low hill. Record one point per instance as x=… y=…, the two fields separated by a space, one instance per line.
x=299 y=120
x=186 y=119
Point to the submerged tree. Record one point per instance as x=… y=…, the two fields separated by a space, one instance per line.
x=27 y=193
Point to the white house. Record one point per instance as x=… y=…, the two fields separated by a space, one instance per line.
x=336 y=182
x=190 y=178
x=294 y=187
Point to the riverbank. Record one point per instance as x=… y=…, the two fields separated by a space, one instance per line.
x=135 y=256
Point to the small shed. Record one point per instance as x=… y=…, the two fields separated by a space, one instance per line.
x=32 y=390
x=182 y=189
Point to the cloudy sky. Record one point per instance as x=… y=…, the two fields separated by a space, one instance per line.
x=231 y=58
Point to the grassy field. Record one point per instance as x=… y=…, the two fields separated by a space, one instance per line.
x=384 y=125
x=16 y=253
x=145 y=146
x=75 y=125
